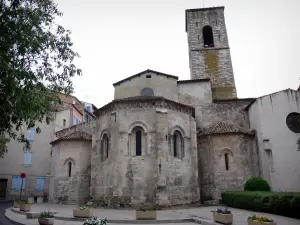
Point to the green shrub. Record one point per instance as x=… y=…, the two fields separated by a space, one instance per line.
x=280 y=203
x=257 y=184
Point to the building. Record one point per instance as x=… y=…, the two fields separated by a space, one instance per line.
x=165 y=141
x=36 y=162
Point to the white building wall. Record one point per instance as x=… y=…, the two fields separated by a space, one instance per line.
x=280 y=166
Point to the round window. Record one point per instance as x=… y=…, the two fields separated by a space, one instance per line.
x=293 y=122
x=147 y=92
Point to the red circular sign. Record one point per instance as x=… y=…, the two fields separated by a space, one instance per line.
x=23 y=175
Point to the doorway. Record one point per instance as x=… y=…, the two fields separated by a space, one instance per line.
x=3 y=186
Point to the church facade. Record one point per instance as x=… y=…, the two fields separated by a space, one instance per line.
x=166 y=141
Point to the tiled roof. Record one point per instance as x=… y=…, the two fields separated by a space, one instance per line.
x=222 y=128
x=146 y=71
x=76 y=135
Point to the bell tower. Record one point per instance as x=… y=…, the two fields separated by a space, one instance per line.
x=209 y=53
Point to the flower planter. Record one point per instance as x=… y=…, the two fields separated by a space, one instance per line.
x=83 y=213
x=40 y=200
x=256 y=222
x=25 y=207
x=223 y=218
x=31 y=199
x=16 y=204
x=46 y=221
x=146 y=215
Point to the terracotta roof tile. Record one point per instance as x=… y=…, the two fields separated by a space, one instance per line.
x=222 y=128
x=76 y=135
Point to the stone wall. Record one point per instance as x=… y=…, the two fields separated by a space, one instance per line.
x=214 y=62
x=232 y=112
x=276 y=143
x=72 y=189
x=214 y=178
x=155 y=177
x=161 y=85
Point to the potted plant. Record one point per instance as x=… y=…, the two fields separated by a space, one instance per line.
x=46 y=218
x=16 y=204
x=83 y=211
x=144 y=212
x=260 y=220
x=223 y=216
x=25 y=206
x=95 y=221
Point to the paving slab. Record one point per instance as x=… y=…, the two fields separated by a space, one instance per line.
x=202 y=214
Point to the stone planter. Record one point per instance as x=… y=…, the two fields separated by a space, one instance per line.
x=256 y=222
x=83 y=213
x=46 y=221
x=40 y=200
x=25 y=207
x=16 y=204
x=223 y=218
x=146 y=215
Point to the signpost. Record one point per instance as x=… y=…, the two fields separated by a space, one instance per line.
x=23 y=175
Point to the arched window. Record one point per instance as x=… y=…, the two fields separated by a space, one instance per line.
x=69 y=169
x=226 y=161
x=178 y=148
x=104 y=147
x=147 y=92
x=138 y=142
x=208 y=37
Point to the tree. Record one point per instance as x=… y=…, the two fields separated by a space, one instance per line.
x=36 y=60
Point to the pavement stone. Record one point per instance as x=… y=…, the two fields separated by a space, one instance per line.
x=201 y=213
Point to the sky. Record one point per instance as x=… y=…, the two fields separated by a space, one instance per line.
x=117 y=39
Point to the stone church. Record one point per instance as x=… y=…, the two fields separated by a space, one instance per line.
x=167 y=141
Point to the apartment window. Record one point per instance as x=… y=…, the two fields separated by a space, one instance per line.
x=40 y=181
x=16 y=183
x=30 y=134
x=27 y=158
x=88 y=108
x=64 y=122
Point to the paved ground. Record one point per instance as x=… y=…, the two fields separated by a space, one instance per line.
x=240 y=216
x=3 y=206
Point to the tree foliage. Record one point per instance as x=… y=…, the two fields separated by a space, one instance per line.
x=36 y=59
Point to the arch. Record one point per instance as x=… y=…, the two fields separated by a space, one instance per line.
x=208 y=37
x=177 y=144
x=137 y=140
x=70 y=160
x=104 y=132
x=177 y=128
x=142 y=124
x=226 y=150
x=147 y=92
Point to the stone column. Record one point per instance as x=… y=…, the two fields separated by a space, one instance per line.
x=162 y=126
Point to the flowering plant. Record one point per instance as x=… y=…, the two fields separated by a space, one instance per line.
x=83 y=207
x=223 y=211
x=46 y=214
x=95 y=221
x=260 y=218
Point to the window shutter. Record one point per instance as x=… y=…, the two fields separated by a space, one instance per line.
x=25 y=158
x=15 y=183
x=40 y=184
x=28 y=158
x=30 y=134
x=24 y=183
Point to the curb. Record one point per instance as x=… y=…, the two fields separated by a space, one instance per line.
x=62 y=218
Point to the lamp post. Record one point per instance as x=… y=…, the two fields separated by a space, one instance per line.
x=23 y=175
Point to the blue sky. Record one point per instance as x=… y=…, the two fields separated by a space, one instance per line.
x=118 y=38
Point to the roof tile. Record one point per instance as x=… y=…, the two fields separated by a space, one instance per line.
x=223 y=128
